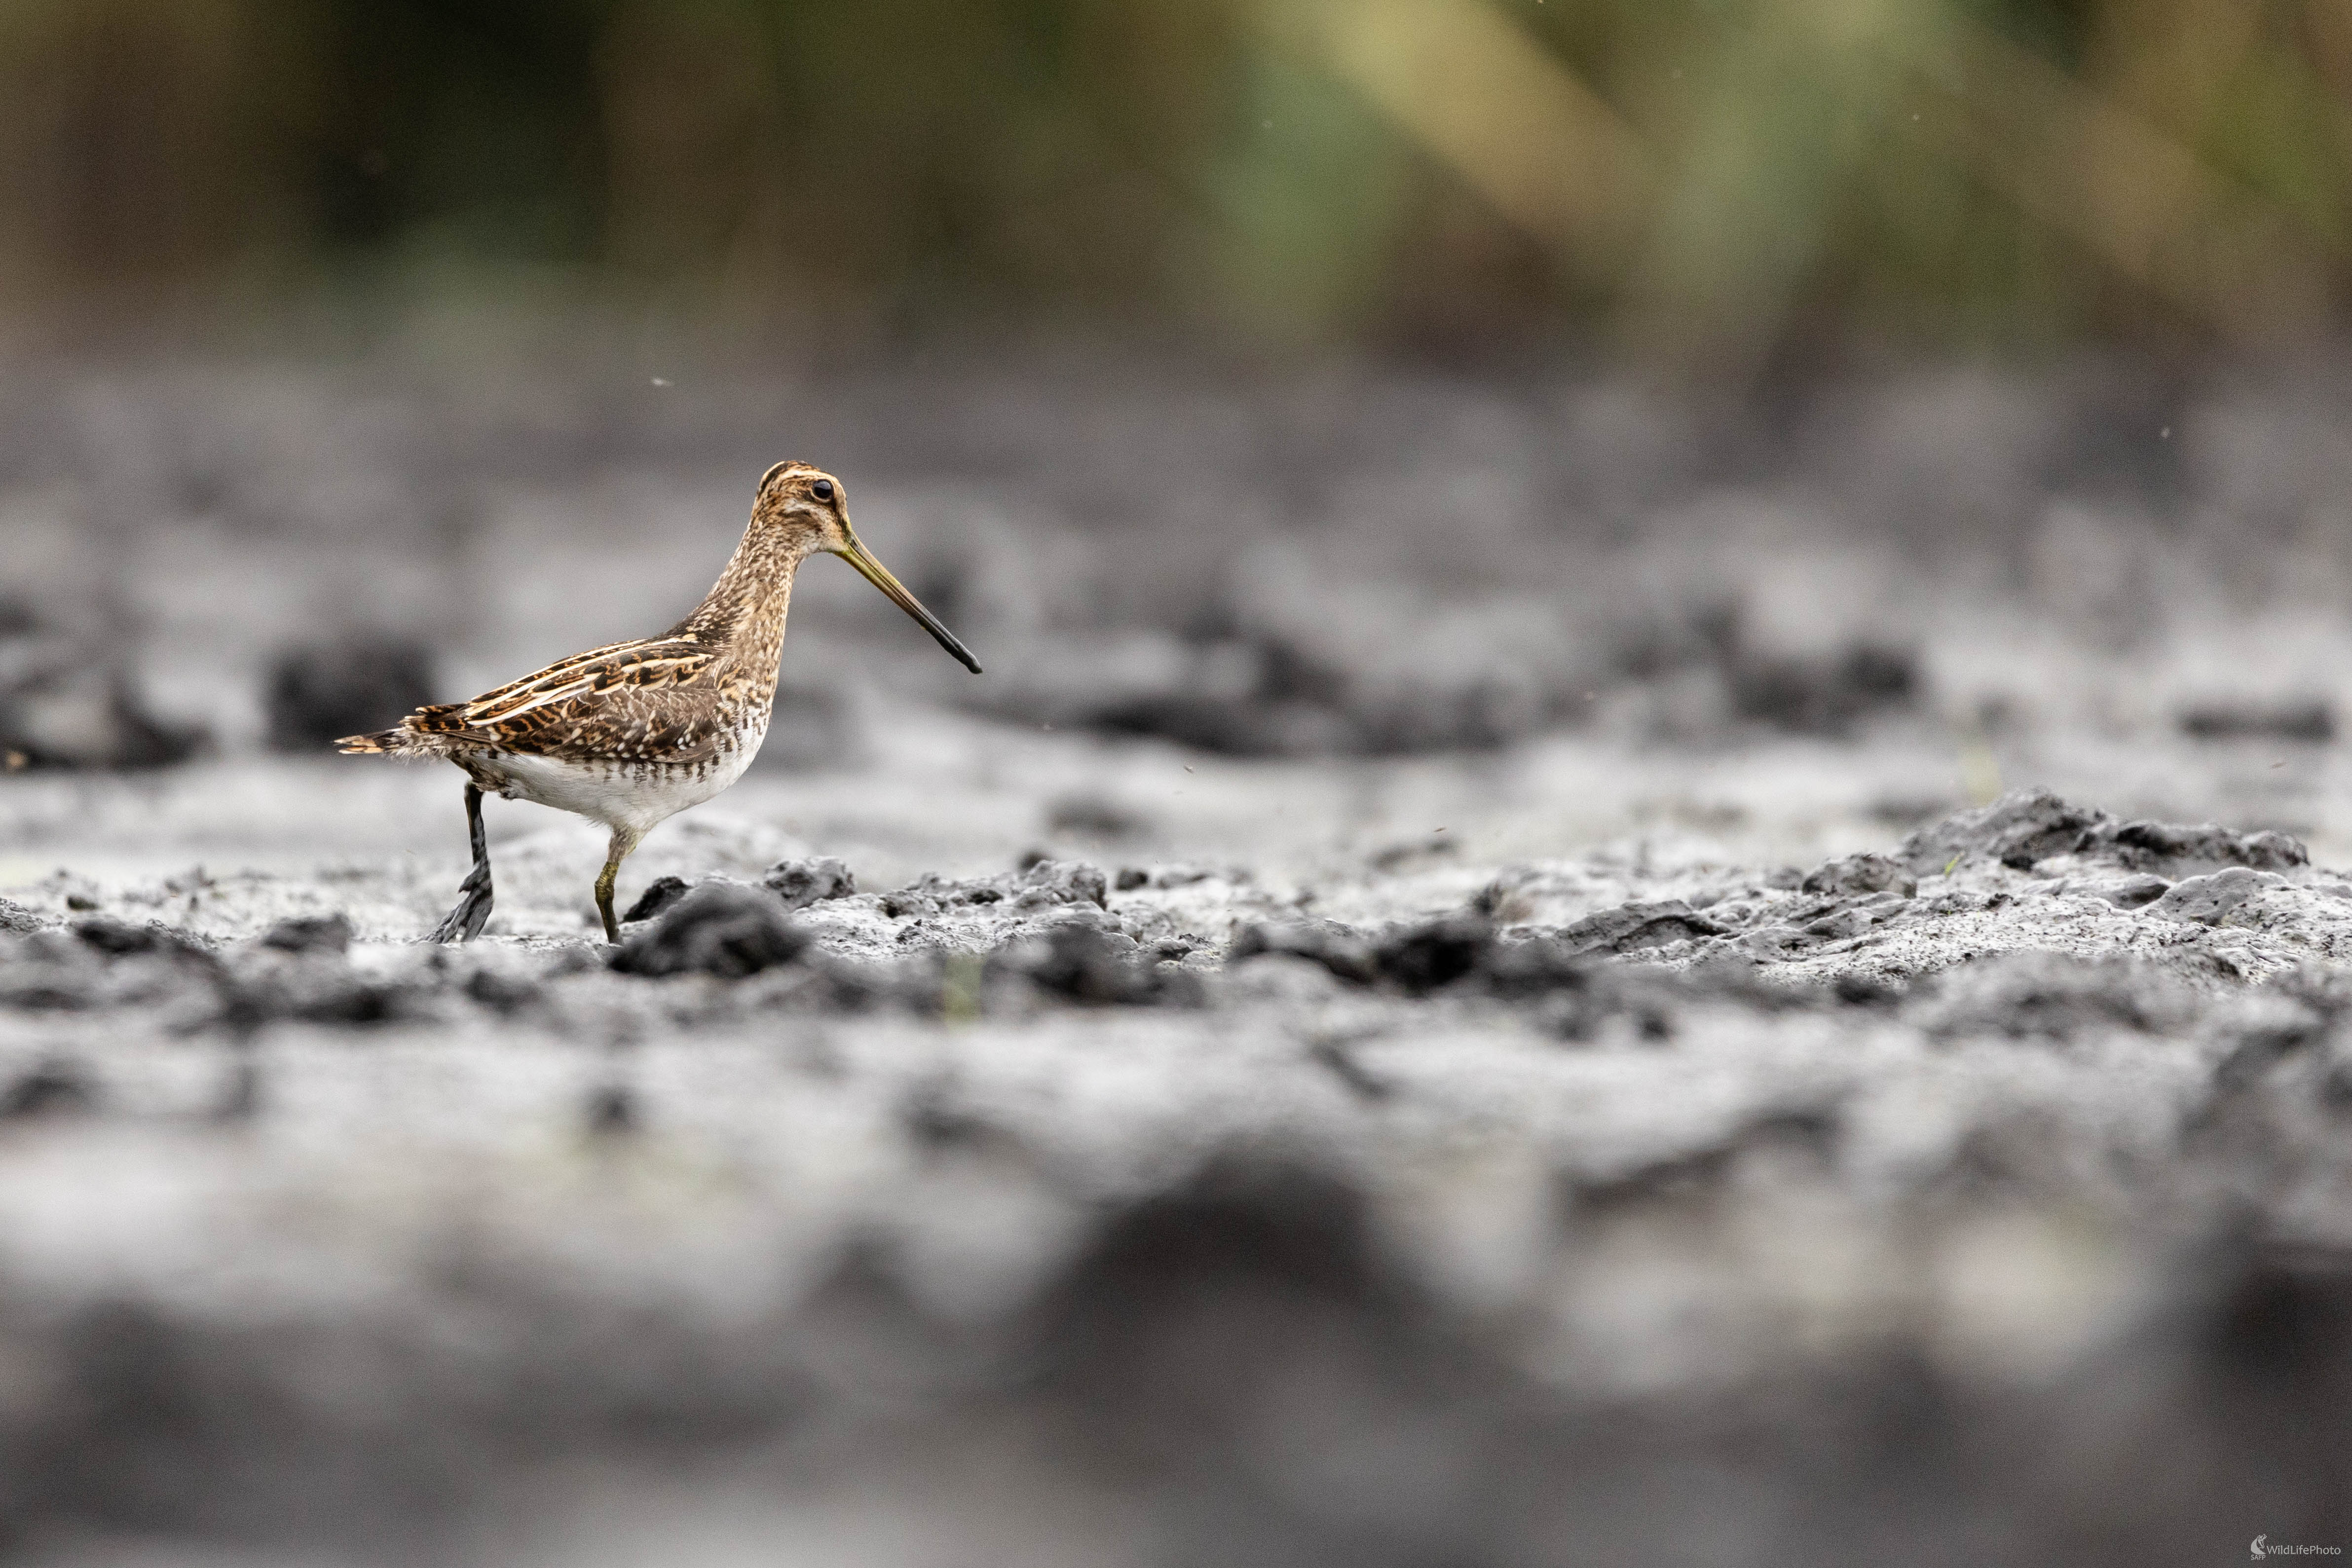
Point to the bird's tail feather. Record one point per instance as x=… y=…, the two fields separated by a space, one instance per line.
x=438 y=731
x=406 y=741
x=401 y=742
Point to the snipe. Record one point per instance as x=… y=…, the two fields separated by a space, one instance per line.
x=632 y=733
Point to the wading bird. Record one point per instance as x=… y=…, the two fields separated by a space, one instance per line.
x=635 y=732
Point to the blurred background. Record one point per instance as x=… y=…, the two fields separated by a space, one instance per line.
x=1714 y=186
x=1277 y=376
x=1383 y=451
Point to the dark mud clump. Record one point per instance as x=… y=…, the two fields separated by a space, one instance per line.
x=2310 y=721
x=2173 y=850
x=319 y=692
x=2027 y=827
x=1637 y=927
x=310 y=933
x=1043 y=884
x=1710 y=651
x=1341 y=949
x=317 y=989
x=1424 y=958
x=728 y=930
x=1824 y=696
x=503 y=993
x=1461 y=953
x=1421 y=958
x=51 y=1088
x=118 y=938
x=794 y=885
x=68 y=700
x=1253 y=684
x=1097 y=968
x=49 y=972
x=1253 y=692
x=661 y=895
x=2019 y=829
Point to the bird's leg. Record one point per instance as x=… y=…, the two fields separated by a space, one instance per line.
x=605 y=899
x=622 y=842
x=473 y=912
x=625 y=840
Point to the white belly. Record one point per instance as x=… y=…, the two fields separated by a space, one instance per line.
x=634 y=796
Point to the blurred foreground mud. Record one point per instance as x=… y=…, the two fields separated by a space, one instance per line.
x=1989 y=1197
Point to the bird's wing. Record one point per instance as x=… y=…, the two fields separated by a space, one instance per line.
x=626 y=667
x=626 y=701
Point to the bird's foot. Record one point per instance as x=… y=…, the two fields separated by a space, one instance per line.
x=473 y=912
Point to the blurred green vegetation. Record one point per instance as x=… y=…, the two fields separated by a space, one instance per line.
x=1699 y=181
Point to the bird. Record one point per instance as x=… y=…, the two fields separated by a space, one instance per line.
x=630 y=734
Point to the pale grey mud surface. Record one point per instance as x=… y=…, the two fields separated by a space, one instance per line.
x=1601 y=1089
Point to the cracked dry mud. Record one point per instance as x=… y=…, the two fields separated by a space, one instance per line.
x=1120 y=1209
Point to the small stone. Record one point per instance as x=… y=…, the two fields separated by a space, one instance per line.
x=801 y=883
x=2208 y=901
x=2129 y=892
x=1062 y=882
x=1861 y=874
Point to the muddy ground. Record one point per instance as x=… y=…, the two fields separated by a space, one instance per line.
x=1503 y=972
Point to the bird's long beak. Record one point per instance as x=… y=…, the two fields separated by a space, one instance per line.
x=855 y=552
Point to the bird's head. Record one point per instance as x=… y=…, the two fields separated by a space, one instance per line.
x=807 y=511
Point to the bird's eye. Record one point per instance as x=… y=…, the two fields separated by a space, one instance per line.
x=822 y=489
